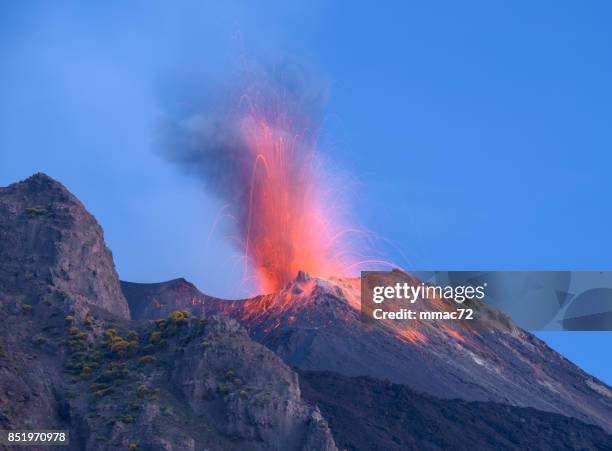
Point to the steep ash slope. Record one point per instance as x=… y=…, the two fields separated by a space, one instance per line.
x=70 y=357
x=366 y=414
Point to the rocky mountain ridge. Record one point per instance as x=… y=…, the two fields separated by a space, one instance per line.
x=71 y=358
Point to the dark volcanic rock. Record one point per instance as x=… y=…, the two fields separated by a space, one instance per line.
x=314 y=324
x=260 y=402
x=197 y=384
x=48 y=240
x=366 y=414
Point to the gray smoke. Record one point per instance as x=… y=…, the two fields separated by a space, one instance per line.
x=205 y=137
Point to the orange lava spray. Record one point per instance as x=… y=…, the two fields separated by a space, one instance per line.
x=259 y=156
x=289 y=226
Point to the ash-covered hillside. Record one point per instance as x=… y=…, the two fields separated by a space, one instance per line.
x=366 y=414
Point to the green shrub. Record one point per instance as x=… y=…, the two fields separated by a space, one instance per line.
x=223 y=390
x=205 y=344
x=26 y=309
x=69 y=318
x=142 y=391
x=36 y=211
x=147 y=359
x=125 y=419
x=110 y=333
x=119 y=346
x=102 y=393
x=75 y=345
x=114 y=372
x=94 y=356
x=179 y=316
x=155 y=337
x=75 y=367
x=243 y=394
x=96 y=387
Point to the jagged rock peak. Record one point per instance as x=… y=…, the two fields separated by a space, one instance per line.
x=41 y=183
x=49 y=241
x=302 y=277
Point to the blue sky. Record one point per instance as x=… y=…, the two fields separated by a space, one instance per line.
x=475 y=135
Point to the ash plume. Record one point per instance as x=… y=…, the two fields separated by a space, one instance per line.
x=253 y=146
x=208 y=140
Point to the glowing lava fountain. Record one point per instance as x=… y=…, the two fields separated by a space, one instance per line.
x=289 y=224
x=256 y=150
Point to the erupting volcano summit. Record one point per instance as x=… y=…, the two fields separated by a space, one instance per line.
x=259 y=156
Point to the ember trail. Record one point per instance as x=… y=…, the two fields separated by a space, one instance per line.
x=256 y=151
x=288 y=227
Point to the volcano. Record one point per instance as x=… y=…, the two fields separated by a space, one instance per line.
x=165 y=367
x=260 y=158
x=314 y=325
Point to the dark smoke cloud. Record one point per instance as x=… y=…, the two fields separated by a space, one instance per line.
x=204 y=137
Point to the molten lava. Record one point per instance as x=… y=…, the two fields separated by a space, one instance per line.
x=288 y=226
x=256 y=151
